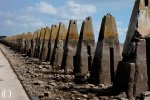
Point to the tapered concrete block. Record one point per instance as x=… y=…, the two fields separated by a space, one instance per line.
x=44 y=50
x=23 y=43
x=141 y=78
x=42 y=42
x=124 y=80
x=107 y=54
x=136 y=48
x=51 y=41
x=133 y=79
x=84 y=50
x=28 y=43
x=17 y=42
x=57 y=54
x=139 y=24
x=33 y=43
x=37 y=46
x=70 y=46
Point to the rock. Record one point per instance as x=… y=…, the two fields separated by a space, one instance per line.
x=102 y=85
x=41 y=96
x=38 y=83
x=85 y=95
x=74 y=92
x=70 y=84
x=53 y=84
x=27 y=72
x=95 y=98
x=145 y=95
x=47 y=94
x=77 y=98
x=90 y=95
x=35 y=98
x=90 y=85
x=40 y=66
x=121 y=96
x=48 y=87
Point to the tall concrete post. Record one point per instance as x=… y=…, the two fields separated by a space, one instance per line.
x=28 y=42
x=107 y=54
x=57 y=54
x=84 y=52
x=42 y=39
x=51 y=41
x=70 y=46
x=33 y=43
x=23 y=43
x=136 y=51
x=38 y=42
x=44 y=50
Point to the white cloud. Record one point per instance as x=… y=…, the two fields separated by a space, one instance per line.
x=70 y=10
x=46 y=8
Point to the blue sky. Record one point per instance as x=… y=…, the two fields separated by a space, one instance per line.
x=18 y=16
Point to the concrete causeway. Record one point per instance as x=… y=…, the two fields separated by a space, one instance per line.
x=10 y=86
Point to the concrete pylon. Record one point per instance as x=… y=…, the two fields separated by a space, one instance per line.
x=107 y=54
x=70 y=46
x=44 y=49
x=57 y=54
x=136 y=53
x=42 y=40
x=139 y=24
x=23 y=43
x=18 y=40
x=33 y=43
x=51 y=41
x=37 y=46
x=28 y=43
x=85 y=50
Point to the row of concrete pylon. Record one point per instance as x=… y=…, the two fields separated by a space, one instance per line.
x=64 y=49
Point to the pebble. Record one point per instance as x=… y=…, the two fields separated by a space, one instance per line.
x=53 y=84
x=85 y=95
x=47 y=94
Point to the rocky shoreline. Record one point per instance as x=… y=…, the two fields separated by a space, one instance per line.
x=42 y=82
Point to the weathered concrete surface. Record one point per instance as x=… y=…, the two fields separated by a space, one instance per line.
x=37 y=46
x=42 y=42
x=124 y=80
x=28 y=43
x=23 y=43
x=107 y=54
x=133 y=79
x=44 y=50
x=33 y=43
x=139 y=23
x=9 y=81
x=70 y=46
x=145 y=95
x=51 y=41
x=136 y=47
x=141 y=78
x=57 y=54
x=148 y=59
x=85 y=49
